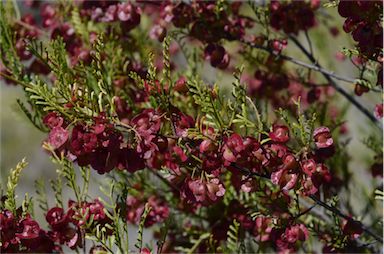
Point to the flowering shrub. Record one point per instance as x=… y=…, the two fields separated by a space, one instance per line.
x=122 y=89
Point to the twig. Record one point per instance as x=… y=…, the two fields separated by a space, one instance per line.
x=30 y=27
x=305 y=211
x=332 y=209
x=301 y=63
x=328 y=77
x=318 y=201
x=5 y=76
x=248 y=173
x=171 y=185
x=342 y=215
x=309 y=42
x=327 y=74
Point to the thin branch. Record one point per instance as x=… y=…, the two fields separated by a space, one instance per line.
x=329 y=77
x=309 y=42
x=164 y=180
x=248 y=173
x=266 y=176
x=334 y=210
x=30 y=27
x=319 y=202
x=305 y=211
x=5 y=76
x=301 y=63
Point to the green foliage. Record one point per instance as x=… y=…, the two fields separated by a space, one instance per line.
x=239 y=90
x=85 y=174
x=48 y=99
x=27 y=206
x=208 y=105
x=79 y=26
x=220 y=7
x=331 y=4
x=350 y=52
x=167 y=65
x=118 y=242
x=41 y=194
x=375 y=144
x=38 y=50
x=163 y=234
x=58 y=62
x=262 y=15
x=303 y=128
x=234 y=243
x=139 y=241
x=67 y=170
x=240 y=113
x=13 y=179
x=379 y=194
x=99 y=234
x=255 y=57
x=162 y=96
x=191 y=55
x=7 y=41
x=137 y=79
x=57 y=188
x=195 y=243
x=101 y=71
x=364 y=83
x=33 y=116
x=89 y=89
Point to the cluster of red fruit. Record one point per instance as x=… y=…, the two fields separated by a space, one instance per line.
x=103 y=147
x=364 y=22
x=23 y=234
x=293 y=16
x=52 y=24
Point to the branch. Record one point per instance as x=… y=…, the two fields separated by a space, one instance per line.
x=326 y=73
x=301 y=63
x=332 y=209
x=164 y=180
x=329 y=77
x=5 y=76
x=342 y=215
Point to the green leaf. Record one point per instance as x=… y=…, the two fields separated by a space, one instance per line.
x=41 y=194
x=13 y=179
x=330 y=4
x=233 y=238
x=139 y=241
x=79 y=26
x=34 y=119
x=198 y=242
x=379 y=194
x=203 y=97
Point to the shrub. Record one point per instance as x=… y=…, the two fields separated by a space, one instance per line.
x=258 y=165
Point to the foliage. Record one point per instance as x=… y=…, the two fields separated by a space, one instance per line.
x=198 y=125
